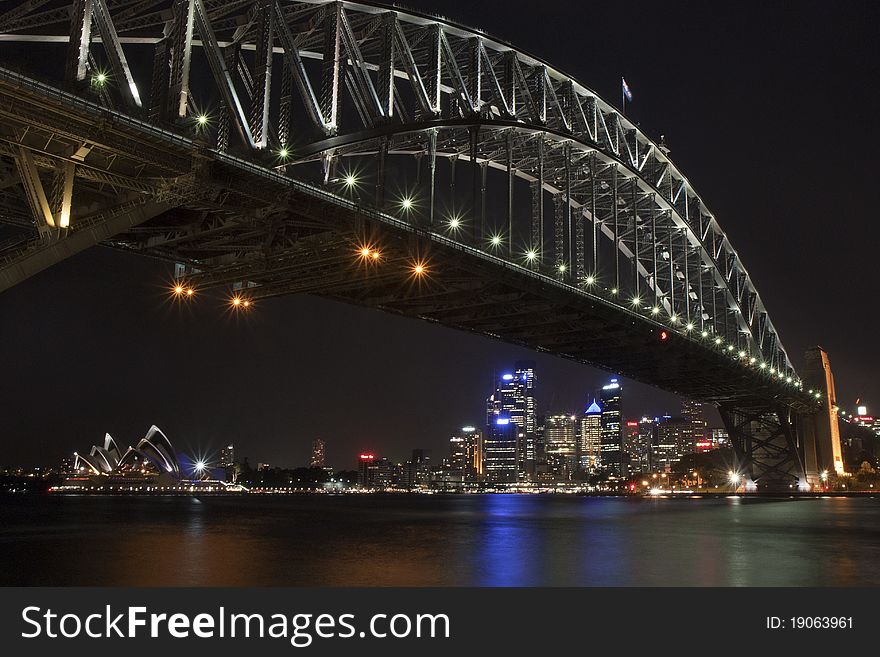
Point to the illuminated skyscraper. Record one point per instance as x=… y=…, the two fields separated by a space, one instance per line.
x=466 y=453
x=637 y=437
x=367 y=470
x=499 y=449
x=671 y=443
x=560 y=440
x=590 y=438
x=696 y=425
x=610 y=453
x=514 y=399
x=317 y=460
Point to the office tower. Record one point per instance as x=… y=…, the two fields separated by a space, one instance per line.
x=672 y=443
x=637 y=445
x=590 y=438
x=227 y=456
x=499 y=449
x=647 y=438
x=696 y=427
x=466 y=453
x=524 y=371
x=611 y=453
x=367 y=470
x=514 y=398
x=560 y=443
x=317 y=460
x=384 y=474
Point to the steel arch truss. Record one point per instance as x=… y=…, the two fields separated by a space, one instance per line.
x=295 y=82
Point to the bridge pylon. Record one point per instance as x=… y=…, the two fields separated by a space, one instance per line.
x=765 y=440
x=819 y=431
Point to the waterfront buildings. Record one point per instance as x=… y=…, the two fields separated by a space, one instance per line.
x=671 y=443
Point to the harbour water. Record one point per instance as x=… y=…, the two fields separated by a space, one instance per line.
x=437 y=540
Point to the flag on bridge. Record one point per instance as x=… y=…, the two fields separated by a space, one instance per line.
x=627 y=94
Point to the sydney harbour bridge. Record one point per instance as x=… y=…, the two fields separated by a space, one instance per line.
x=398 y=161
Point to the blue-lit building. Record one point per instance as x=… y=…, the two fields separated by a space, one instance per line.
x=514 y=399
x=590 y=439
x=611 y=452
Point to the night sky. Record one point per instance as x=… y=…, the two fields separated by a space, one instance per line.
x=770 y=109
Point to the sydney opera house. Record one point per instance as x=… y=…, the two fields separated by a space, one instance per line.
x=153 y=460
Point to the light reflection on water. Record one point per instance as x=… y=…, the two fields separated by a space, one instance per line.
x=476 y=540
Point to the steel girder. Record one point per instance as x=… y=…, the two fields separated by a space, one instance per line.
x=766 y=445
x=417 y=85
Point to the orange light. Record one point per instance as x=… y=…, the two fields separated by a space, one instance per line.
x=178 y=289
x=365 y=252
x=236 y=301
x=375 y=255
x=190 y=291
x=246 y=303
x=419 y=268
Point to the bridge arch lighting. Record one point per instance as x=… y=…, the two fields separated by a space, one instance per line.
x=531 y=255
x=100 y=78
x=590 y=280
x=350 y=180
x=613 y=290
x=655 y=310
x=496 y=239
x=283 y=153
x=674 y=319
x=562 y=268
x=636 y=300
x=407 y=203
x=454 y=222
x=717 y=340
x=689 y=326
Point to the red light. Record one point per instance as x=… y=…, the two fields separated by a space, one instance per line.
x=367 y=457
x=664 y=335
x=632 y=486
x=632 y=424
